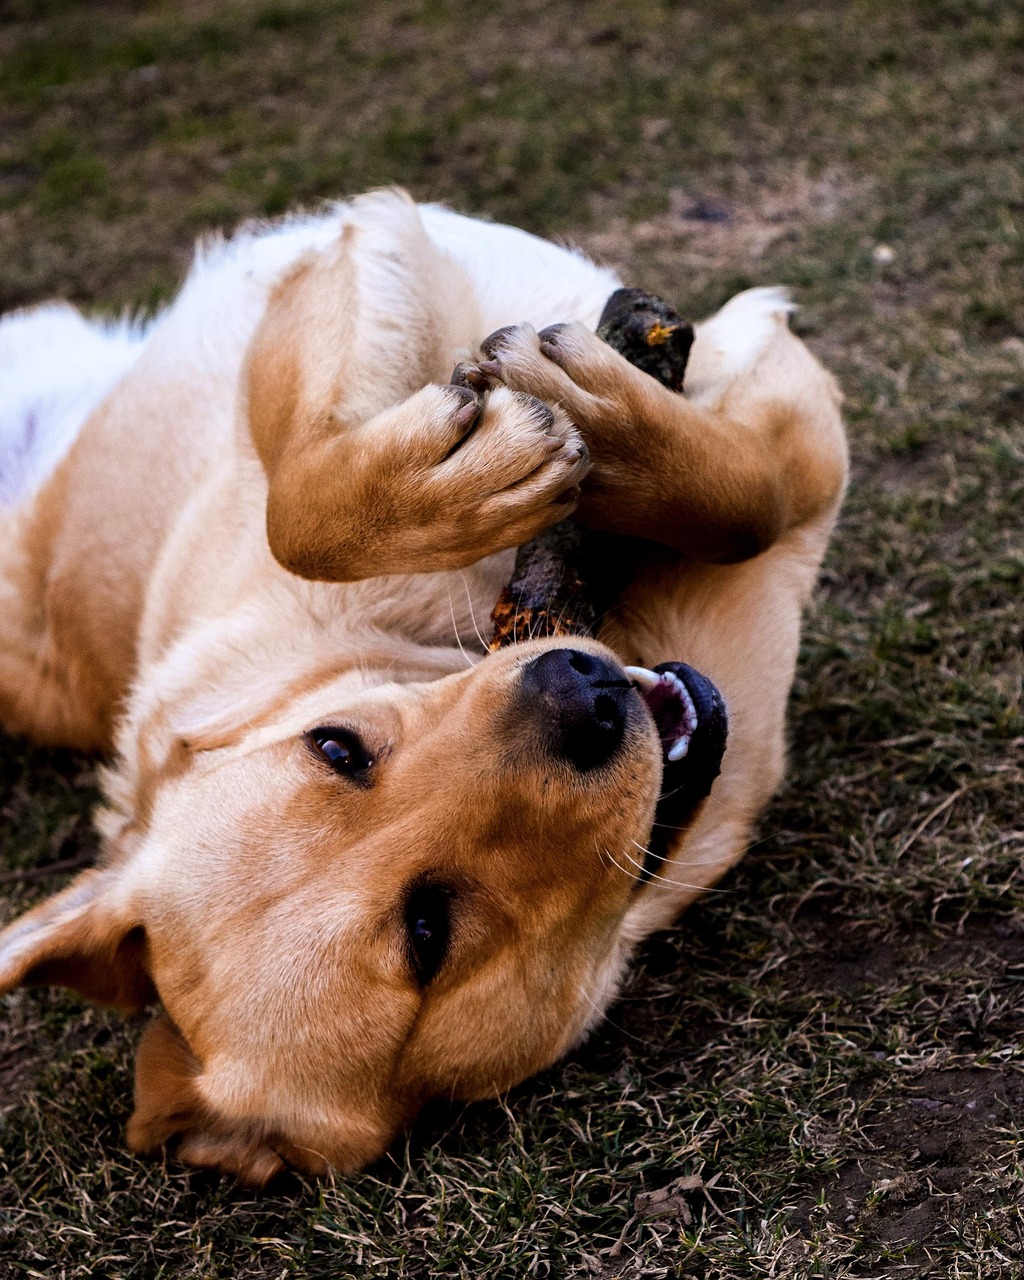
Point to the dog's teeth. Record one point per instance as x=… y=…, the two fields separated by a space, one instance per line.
x=678 y=749
x=689 y=710
x=643 y=677
x=670 y=690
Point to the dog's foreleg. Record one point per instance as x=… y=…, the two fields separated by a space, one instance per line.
x=370 y=471
x=719 y=482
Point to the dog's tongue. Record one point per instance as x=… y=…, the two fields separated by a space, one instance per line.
x=669 y=702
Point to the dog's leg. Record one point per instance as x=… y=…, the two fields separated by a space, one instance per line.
x=753 y=456
x=719 y=478
x=370 y=471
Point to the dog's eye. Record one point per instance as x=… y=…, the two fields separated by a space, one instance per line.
x=428 y=928
x=342 y=749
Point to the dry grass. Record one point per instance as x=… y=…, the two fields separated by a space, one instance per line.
x=830 y=1045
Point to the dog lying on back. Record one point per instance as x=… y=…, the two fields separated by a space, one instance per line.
x=250 y=551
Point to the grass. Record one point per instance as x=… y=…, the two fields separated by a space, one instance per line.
x=831 y=1044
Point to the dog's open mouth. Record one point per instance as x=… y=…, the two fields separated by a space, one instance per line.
x=690 y=716
x=671 y=706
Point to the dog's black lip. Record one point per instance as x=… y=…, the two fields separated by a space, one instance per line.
x=687 y=781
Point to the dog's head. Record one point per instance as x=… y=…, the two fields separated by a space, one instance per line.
x=369 y=897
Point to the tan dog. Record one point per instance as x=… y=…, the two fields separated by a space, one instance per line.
x=252 y=548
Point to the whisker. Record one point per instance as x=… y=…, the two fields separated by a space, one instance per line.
x=667 y=795
x=607 y=853
x=455 y=625
x=653 y=875
x=603 y=1015
x=627 y=873
x=561 y=618
x=472 y=611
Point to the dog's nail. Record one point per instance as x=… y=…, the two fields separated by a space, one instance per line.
x=545 y=418
x=496 y=339
x=471 y=376
x=491 y=368
x=466 y=416
x=551 y=333
x=469 y=410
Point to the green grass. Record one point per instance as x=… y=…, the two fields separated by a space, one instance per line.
x=833 y=1041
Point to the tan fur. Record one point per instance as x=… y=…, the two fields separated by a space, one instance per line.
x=281 y=533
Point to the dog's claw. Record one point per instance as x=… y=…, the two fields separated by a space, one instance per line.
x=549 y=344
x=494 y=340
x=472 y=377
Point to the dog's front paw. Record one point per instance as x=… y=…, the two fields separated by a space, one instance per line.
x=476 y=467
x=563 y=364
x=627 y=418
x=516 y=470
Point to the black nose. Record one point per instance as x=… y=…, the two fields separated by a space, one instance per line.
x=581 y=701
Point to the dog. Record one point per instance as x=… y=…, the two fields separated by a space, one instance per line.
x=247 y=551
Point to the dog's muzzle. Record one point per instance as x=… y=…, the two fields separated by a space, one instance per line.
x=582 y=704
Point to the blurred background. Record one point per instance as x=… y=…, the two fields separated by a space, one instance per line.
x=829 y=1047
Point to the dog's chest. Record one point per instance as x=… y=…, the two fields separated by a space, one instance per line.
x=435 y=610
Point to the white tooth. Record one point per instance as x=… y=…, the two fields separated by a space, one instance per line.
x=643 y=677
x=689 y=710
x=679 y=748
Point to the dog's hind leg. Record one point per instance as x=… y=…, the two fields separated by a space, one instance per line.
x=756 y=443
x=55 y=367
x=739 y=624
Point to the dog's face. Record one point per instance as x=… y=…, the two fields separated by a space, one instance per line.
x=365 y=900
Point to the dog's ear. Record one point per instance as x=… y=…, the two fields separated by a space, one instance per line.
x=86 y=938
x=169 y=1105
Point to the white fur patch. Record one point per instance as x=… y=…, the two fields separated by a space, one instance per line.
x=55 y=368
x=517 y=276
x=732 y=340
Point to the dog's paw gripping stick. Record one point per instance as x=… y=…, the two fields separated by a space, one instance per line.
x=566 y=579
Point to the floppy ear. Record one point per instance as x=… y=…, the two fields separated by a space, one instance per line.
x=169 y=1106
x=85 y=938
